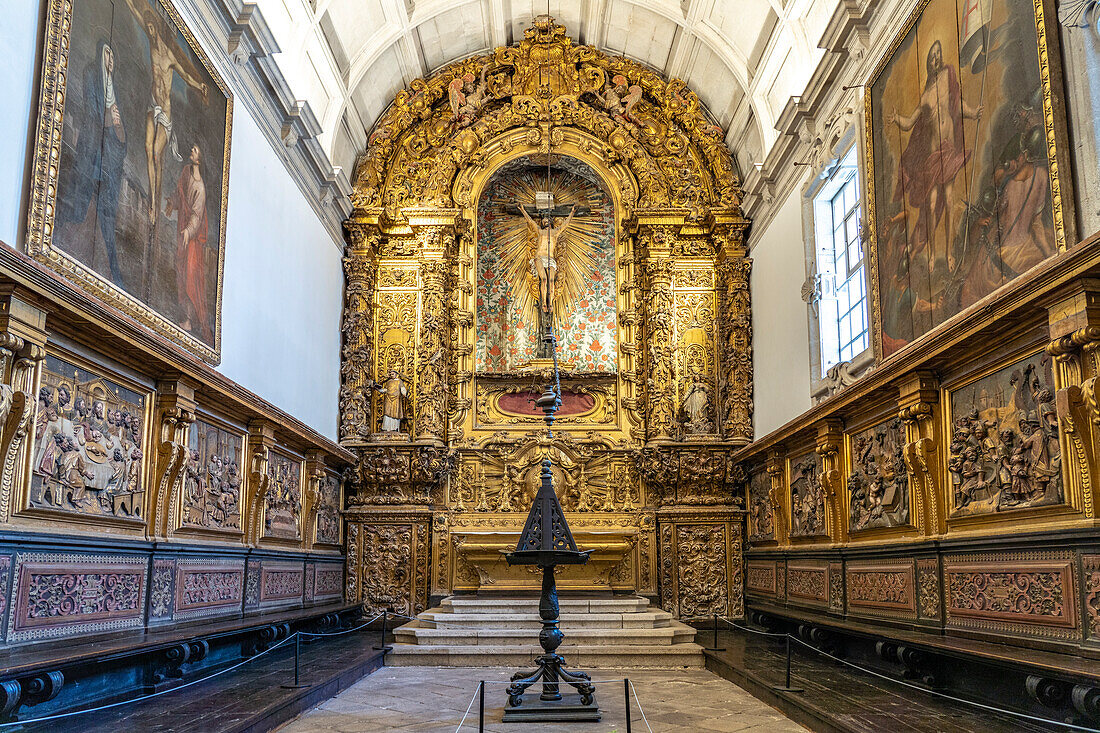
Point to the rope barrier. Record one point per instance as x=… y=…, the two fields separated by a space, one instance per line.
x=468 y=707
x=989 y=708
x=151 y=695
x=639 y=702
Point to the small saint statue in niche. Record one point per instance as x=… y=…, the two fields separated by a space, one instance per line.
x=546 y=232
x=696 y=405
x=393 y=393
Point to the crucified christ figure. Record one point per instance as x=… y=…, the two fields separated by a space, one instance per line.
x=166 y=58
x=546 y=232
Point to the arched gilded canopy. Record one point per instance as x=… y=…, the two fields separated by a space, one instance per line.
x=656 y=128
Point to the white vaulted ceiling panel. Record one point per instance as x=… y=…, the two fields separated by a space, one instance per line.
x=714 y=82
x=454 y=34
x=639 y=33
x=381 y=81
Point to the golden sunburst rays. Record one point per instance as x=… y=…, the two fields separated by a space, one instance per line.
x=578 y=250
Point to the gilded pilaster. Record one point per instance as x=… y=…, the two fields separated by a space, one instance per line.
x=261 y=437
x=357 y=363
x=777 y=496
x=830 y=437
x=735 y=335
x=175 y=413
x=1074 y=318
x=660 y=383
x=918 y=408
x=22 y=350
x=432 y=354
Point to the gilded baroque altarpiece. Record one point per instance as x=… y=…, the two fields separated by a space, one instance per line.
x=440 y=369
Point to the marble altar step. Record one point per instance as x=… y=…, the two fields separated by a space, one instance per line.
x=613 y=632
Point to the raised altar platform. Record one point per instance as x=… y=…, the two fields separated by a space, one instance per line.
x=600 y=632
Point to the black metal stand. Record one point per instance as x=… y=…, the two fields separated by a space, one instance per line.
x=787 y=684
x=547 y=542
x=481 y=711
x=715 y=647
x=297 y=654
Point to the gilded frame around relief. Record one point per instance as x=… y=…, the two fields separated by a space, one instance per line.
x=1056 y=140
x=46 y=170
x=1071 y=501
x=148 y=453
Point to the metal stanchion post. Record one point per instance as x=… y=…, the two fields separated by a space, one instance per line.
x=787 y=686
x=626 y=696
x=481 y=713
x=385 y=628
x=715 y=648
x=297 y=655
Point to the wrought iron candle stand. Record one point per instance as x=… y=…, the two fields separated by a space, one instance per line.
x=547 y=542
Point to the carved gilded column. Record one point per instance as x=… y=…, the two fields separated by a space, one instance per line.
x=660 y=384
x=918 y=408
x=311 y=496
x=357 y=364
x=175 y=413
x=735 y=380
x=830 y=437
x=261 y=437
x=432 y=354
x=1074 y=318
x=22 y=350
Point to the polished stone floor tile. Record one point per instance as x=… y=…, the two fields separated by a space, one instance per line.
x=433 y=700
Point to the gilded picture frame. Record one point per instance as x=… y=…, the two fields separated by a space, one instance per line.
x=1049 y=124
x=152 y=136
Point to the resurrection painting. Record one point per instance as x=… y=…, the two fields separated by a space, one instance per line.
x=134 y=209
x=87 y=455
x=212 y=479
x=513 y=275
x=878 y=488
x=963 y=199
x=1004 y=451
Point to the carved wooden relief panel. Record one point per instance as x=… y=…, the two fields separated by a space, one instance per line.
x=808 y=582
x=761 y=513
x=211 y=492
x=878 y=482
x=807 y=496
x=326 y=523
x=87 y=456
x=701 y=566
x=881 y=588
x=388 y=556
x=1004 y=453
x=283 y=501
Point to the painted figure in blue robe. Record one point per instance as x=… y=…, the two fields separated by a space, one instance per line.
x=96 y=167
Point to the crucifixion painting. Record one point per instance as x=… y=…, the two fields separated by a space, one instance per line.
x=546 y=255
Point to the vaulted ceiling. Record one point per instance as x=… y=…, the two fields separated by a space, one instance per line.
x=745 y=58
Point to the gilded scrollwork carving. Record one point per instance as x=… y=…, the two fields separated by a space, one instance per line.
x=735 y=345
x=173 y=454
x=357 y=359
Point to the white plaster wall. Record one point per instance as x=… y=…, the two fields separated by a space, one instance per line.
x=781 y=353
x=282 y=288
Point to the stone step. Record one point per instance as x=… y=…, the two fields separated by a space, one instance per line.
x=625 y=604
x=455 y=638
x=611 y=656
x=439 y=618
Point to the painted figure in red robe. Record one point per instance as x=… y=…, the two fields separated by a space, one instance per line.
x=189 y=204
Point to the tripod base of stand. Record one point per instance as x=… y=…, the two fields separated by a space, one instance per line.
x=567 y=710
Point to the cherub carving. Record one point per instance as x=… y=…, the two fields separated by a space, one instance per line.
x=619 y=98
x=467 y=94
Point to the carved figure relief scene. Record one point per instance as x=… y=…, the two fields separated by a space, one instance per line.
x=213 y=478
x=1004 y=450
x=878 y=487
x=962 y=197
x=88 y=438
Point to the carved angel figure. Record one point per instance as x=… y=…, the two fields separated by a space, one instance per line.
x=467 y=94
x=619 y=97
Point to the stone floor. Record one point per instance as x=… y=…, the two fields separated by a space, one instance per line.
x=424 y=699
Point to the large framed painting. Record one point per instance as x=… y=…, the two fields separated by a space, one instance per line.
x=963 y=138
x=131 y=165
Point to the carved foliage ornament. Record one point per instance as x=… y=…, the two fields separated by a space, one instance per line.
x=434 y=127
